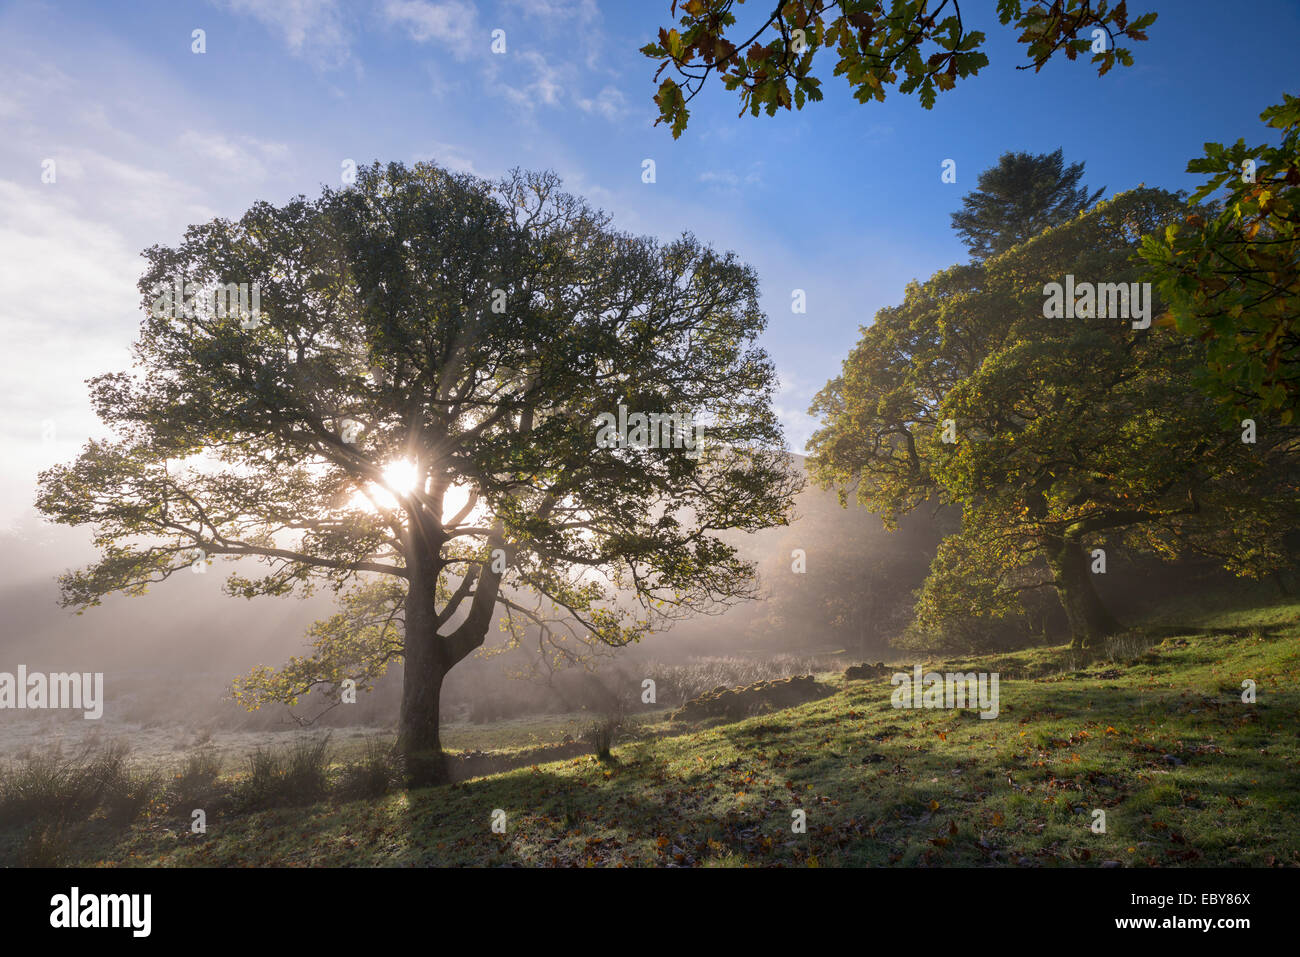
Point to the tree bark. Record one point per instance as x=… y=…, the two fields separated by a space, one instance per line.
x=1089 y=620
x=428 y=655
x=424 y=667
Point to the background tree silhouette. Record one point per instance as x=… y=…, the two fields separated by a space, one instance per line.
x=1019 y=198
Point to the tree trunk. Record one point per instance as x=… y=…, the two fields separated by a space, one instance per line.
x=1088 y=618
x=424 y=667
x=428 y=655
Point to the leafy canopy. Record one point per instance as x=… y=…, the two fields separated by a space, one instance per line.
x=878 y=44
x=1231 y=273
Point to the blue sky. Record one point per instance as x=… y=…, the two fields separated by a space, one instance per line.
x=842 y=200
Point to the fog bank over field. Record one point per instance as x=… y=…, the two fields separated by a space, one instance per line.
x=169 y=656
x=171 y=653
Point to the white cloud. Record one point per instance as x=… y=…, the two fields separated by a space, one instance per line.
x=451 y=22
x=245 y=160
x=451 y=158
x=791 y=406
x=312 y=29
x=119 y=192
x=29 y=86
x=582 y=10
x=573 y=22
x=525 y=77
x=731 y=180
x=609 y=103
x=68 y=312
x=546 y=86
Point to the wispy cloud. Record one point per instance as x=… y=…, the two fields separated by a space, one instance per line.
x=575 y=22
x=729 y=180
x=451 y=157
x=453 y=23
x=315 y=30
x=583 y=10
x=544 y=88
x=791 y=404
x=245 y=159
x=68 y=312
x=609 y=103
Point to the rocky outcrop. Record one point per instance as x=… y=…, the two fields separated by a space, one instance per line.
x=864 y=671
x=736 y=703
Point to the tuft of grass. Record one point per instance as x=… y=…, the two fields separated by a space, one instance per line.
x=372 y=775
x=602 y=734
x=678 y=683
x=195 y=785
x=130 y=793
x=60 y=786
x=260 y=787
x=1129 y=645
x=51 y=797
x=298 y=776
x=306 y=775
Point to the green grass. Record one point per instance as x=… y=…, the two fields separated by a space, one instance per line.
x=1186 y=773
x=521 y=734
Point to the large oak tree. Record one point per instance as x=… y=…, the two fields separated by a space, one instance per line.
x=411 y=422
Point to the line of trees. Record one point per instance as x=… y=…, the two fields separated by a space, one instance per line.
x=1056 y=438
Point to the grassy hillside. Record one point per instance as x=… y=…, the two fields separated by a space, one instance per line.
x=1158 y=738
